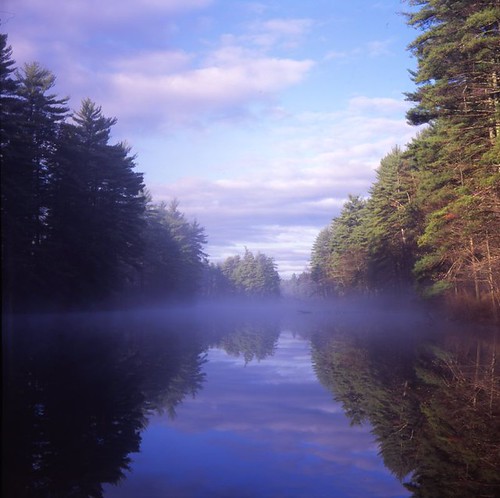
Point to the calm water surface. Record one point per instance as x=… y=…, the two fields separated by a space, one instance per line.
x=352 y=401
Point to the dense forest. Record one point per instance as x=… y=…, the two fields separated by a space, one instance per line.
x=251 y=276
x=432 y=217
x=78 y=225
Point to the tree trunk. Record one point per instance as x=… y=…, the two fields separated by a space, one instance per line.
x=491 y=282
x=474 y=270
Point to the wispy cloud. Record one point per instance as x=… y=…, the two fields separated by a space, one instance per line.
x=279 y=205
x=192 y=96
x=182 y=75
x=373 y=49
x=263 y=415
x=82 y=15
x=148 y=82
x=274 y=33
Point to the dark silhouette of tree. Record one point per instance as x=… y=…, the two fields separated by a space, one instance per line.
x=98 y=207
x=75 y=229
x=174 y=260
x=31 y=120
x=9 y=124
x=77 y=402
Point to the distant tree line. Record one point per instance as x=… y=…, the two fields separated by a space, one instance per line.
x=243 y=276
x=78 y=226
x=432 y=218
x=299 y=286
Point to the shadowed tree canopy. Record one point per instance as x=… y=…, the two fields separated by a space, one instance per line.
x=75 y=228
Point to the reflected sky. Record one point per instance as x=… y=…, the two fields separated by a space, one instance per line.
x=259 y=429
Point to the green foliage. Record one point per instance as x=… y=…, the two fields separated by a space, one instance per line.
x=75 y=229
x=392 y=223
x=173 y=260
x=338 y=254
x=320 y=261
x=371 y=245
x=433 y=216
x=251 y=276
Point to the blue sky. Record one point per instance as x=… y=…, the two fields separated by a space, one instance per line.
x=259 y=117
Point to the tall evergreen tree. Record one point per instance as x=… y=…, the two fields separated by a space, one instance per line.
x=348 y=259
x=392 y=222
x=174 y=260
x=97 y=209
x=9 y=123
x=458 y=94
x=33 y=118
x=320 y=262
x=339 y=254
x=458 y=66
x=250 y=276
x=190 y=239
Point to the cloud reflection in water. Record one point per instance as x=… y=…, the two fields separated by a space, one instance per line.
x=259 y=429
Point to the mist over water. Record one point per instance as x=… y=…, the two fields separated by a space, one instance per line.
x=357 y=397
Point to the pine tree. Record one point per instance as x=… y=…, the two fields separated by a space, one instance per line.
x=392 y=223
x=174 y=261
x=97 y=209
x=457 y=78
x=250 y=276
x=9 y=123
x=32 y=124
x=320 y=262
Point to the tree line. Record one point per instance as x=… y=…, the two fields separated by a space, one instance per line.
x=78 y=224
x=432 y=217
x=249 y=275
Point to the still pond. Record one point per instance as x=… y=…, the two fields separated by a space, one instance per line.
x=356 y=400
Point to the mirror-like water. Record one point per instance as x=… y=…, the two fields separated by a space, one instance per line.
x=349 y=402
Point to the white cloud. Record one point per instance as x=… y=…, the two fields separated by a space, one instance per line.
x=374 y=48
x=287 y=33
x=379 y=104
x=378 y=48
x=120 y=55
x=191 y=96
x=153 y=62
x=278 y=205
x=160 y=71
x=76 y=13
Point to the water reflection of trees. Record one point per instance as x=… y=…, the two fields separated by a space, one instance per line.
x=251 y=341
x=249 y=331
x=77 y=394
x=435 y=410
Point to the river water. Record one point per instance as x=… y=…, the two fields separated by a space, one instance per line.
x=350 y=400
